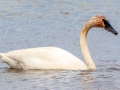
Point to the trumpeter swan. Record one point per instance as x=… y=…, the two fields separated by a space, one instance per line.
x=56 y=58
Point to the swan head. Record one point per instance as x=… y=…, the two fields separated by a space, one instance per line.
x=101 y=21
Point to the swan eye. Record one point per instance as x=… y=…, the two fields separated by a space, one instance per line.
x=106 y=23
x=99 y=24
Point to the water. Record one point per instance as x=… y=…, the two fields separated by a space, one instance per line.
x=37 y=23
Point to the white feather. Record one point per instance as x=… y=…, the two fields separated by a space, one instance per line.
x=43 y=58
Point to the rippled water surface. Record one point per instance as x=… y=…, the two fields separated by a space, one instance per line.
x=37 y=23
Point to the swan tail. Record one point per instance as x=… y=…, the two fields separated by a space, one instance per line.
x=1 y=55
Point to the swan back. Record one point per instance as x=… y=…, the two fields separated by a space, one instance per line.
x=47 y=58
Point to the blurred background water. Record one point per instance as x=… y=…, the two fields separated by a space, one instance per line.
x=38 y=23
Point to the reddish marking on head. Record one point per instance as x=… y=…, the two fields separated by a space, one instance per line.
x=100 y=23
x=98 y=19
x=101 y=17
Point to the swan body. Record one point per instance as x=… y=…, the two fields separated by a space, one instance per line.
x=56 y=58
x=43 y=58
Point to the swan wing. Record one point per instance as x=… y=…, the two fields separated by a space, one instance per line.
x=44 y=58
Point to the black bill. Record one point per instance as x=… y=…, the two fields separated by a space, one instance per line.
x=108 y=27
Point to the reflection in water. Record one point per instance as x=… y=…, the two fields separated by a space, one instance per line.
x=51 y=77
x=86 y=77
x=47 y=78
x=56 y=79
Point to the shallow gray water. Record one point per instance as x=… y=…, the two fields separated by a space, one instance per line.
x=37 y=23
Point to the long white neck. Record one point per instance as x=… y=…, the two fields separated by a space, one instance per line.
x=84 y=47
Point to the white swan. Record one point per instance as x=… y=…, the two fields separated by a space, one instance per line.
x=56 y=58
